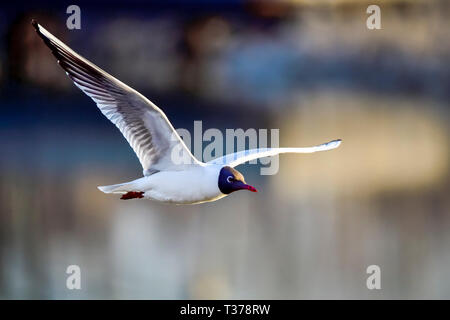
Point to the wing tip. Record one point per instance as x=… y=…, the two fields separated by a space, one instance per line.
x=335 y=143
x=35 y=24
x=37 y=27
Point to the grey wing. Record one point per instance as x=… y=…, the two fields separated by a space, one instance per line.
x=235 y=159
x=143 y=124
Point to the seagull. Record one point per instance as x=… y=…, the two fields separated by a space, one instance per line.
x=153 y=139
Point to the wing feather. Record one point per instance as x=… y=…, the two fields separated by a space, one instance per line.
x=235 y=159
x=143 y=124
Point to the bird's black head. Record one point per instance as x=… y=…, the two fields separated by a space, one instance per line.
x=232 y=180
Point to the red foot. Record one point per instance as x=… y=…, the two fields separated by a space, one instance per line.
x=132 y=195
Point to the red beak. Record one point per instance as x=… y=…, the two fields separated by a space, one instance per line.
x=250 y=188
x=239 y=185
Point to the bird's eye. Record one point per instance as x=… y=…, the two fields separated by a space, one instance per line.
x=230 y=179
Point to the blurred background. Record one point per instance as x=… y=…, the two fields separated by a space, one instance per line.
x=311 y=69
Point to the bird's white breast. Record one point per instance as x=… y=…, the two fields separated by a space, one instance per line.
x=194 y=185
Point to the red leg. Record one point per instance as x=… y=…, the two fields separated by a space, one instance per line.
x=132 y=195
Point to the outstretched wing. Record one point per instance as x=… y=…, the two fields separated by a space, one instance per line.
x=235 y=159
x=143 y=124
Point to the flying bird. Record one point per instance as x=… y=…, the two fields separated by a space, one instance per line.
x=153 y=139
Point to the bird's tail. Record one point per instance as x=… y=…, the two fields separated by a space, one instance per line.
x=129 y=190
x=115 y=188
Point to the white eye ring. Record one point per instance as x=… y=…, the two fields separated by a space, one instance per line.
x=229 y=179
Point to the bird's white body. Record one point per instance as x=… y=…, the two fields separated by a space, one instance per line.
x=195 y=184
x=154 y=140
